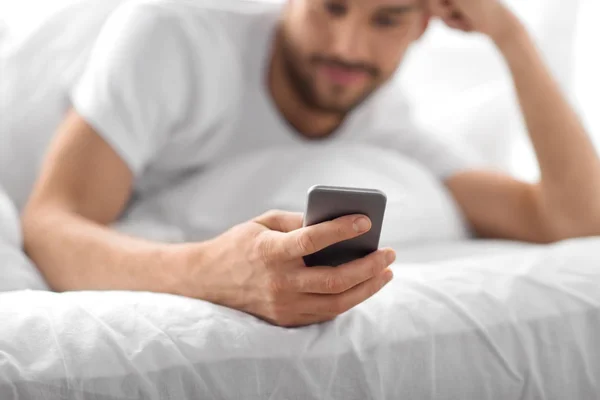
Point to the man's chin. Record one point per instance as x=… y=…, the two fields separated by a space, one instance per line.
x=341 y=100
x=330 y=109
x=337 y=107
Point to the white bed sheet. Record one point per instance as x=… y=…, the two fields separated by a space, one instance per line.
x=469 y=320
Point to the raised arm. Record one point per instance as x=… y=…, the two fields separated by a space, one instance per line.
x=566 y=201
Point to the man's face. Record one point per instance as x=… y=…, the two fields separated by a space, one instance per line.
x=337 y=52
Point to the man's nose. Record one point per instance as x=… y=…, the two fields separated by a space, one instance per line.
x=348 y=41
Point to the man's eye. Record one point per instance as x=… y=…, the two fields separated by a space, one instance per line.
x=385 y=21
x=336 y=9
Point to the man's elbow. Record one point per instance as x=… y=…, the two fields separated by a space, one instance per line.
x=565 y=227
x=33 y=221
x=39 y=221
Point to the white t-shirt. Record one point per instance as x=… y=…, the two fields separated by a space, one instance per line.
x=176 y=86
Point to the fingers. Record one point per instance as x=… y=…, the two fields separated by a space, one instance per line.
x=327 y=280
x=455 y=19
x=459 y=25
x=280 y=221
x=309 y=240
x=438 y=8
x=331 y=305
x=450 y=14
x=311 y=308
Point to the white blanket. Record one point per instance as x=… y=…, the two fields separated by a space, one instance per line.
x=492 y=321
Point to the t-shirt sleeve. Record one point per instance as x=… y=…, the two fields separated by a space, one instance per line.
x=135 y=87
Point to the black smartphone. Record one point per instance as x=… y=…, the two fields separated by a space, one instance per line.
x=326 y=203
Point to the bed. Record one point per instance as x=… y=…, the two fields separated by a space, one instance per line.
x=466 y=320
x=463 y=319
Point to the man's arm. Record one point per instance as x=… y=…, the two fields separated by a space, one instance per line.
x=84 y=186
x=566 y=201
x=256 y=267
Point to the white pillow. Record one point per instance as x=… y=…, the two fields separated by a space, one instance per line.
x=16 y=270
x=419 y=207
x=461 y=88
x=43 y=50
x=10 y=231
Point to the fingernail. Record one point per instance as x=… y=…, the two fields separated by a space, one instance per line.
x=390 y=257
x=361 y=224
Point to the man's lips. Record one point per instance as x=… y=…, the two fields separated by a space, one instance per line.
x=341 y=75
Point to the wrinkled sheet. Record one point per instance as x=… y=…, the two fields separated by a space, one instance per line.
x=466 y=320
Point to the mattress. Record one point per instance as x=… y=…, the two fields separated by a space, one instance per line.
x=461 y=320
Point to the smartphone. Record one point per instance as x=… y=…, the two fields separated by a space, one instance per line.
x=326 y=203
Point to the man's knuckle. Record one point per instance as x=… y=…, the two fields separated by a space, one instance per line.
x=256 y=254
x=306 y=243
x=271 y=214
x=276 y=287
x=262 y=250
x=270 y=219
x=332 y=284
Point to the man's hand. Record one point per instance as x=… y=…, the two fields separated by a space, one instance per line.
x=489 y=17
x=257 y=267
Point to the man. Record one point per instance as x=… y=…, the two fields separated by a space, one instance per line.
x=174 y=86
